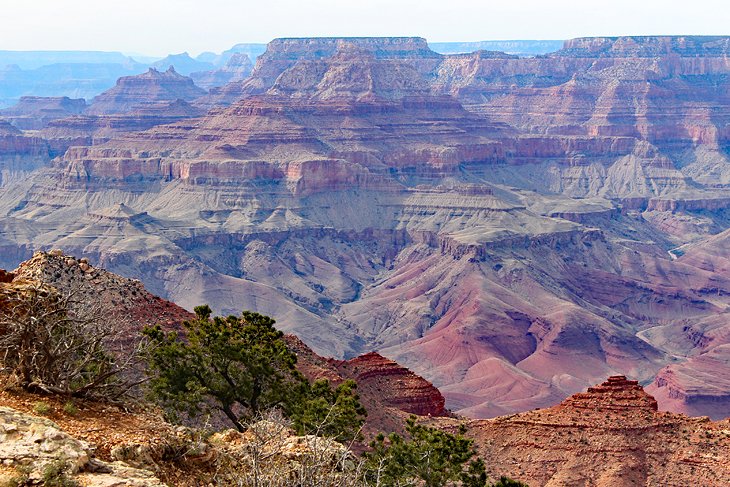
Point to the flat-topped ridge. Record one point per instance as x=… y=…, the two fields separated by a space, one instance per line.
x=645 y=46
x=318 y=47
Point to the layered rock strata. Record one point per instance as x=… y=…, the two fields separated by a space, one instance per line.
x=345 y=190
x=610 y=435
x=237 y=69
x=388 y=391
x=134 y=92
x=35 y=112
x=20 y=154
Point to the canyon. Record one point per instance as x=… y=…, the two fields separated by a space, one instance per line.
x=612 y=433
x=513 y=229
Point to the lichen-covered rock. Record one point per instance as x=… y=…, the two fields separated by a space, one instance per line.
x=28 y=440
x=31 y=444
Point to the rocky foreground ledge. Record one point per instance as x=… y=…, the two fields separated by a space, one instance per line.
x=30 y=445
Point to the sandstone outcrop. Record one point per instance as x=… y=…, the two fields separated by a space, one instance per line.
x=387 y=390
x=35 y=112
x=397 y=386
x=134 y=92
x=610 y=435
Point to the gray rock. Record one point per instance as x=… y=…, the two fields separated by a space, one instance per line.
x=30 y=441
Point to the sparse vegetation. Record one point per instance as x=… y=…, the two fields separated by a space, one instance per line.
x=54 y=475
x=430 y=457
x=70 y=408
x=20 y=478
x=50 y=343
x=323 y=411
x=241 y=366
x=271 y=459
x=41 y=408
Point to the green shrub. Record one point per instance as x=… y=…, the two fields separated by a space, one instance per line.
x=232 y=364
x=70 y=408
x=41 y=408
x=508 y=482
x=54 y=475
x=323 y=411
x=430 y=457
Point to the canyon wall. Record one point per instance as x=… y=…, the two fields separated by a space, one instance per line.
x=502 y=226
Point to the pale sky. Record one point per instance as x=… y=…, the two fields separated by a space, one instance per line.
x=159 y=27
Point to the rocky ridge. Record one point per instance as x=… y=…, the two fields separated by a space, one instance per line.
x=666 y=90
x=284 y=54
x=136 y=103
x=133 y=92
x=387 y=390
x=124 y=300
x=85 y=130
x=610 y=435
x=35 y=112
x=237 y=68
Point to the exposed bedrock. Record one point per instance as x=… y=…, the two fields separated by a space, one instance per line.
x=501 y=226
x=612 y=434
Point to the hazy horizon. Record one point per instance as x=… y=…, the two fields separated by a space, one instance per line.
x=159 y=28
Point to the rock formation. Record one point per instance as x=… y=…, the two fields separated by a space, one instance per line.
x=387 y=390
x=35 y=444
x=237 y=69
x=60 y=74
x=283 y=54
x=135 y=92
x=84 y=130
x=124 y=300
x=136 y=103
x=35 y=112
x=182 y=63
x=610 y=435
x=668 y=91
x=20 y=154
x=397 y=386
